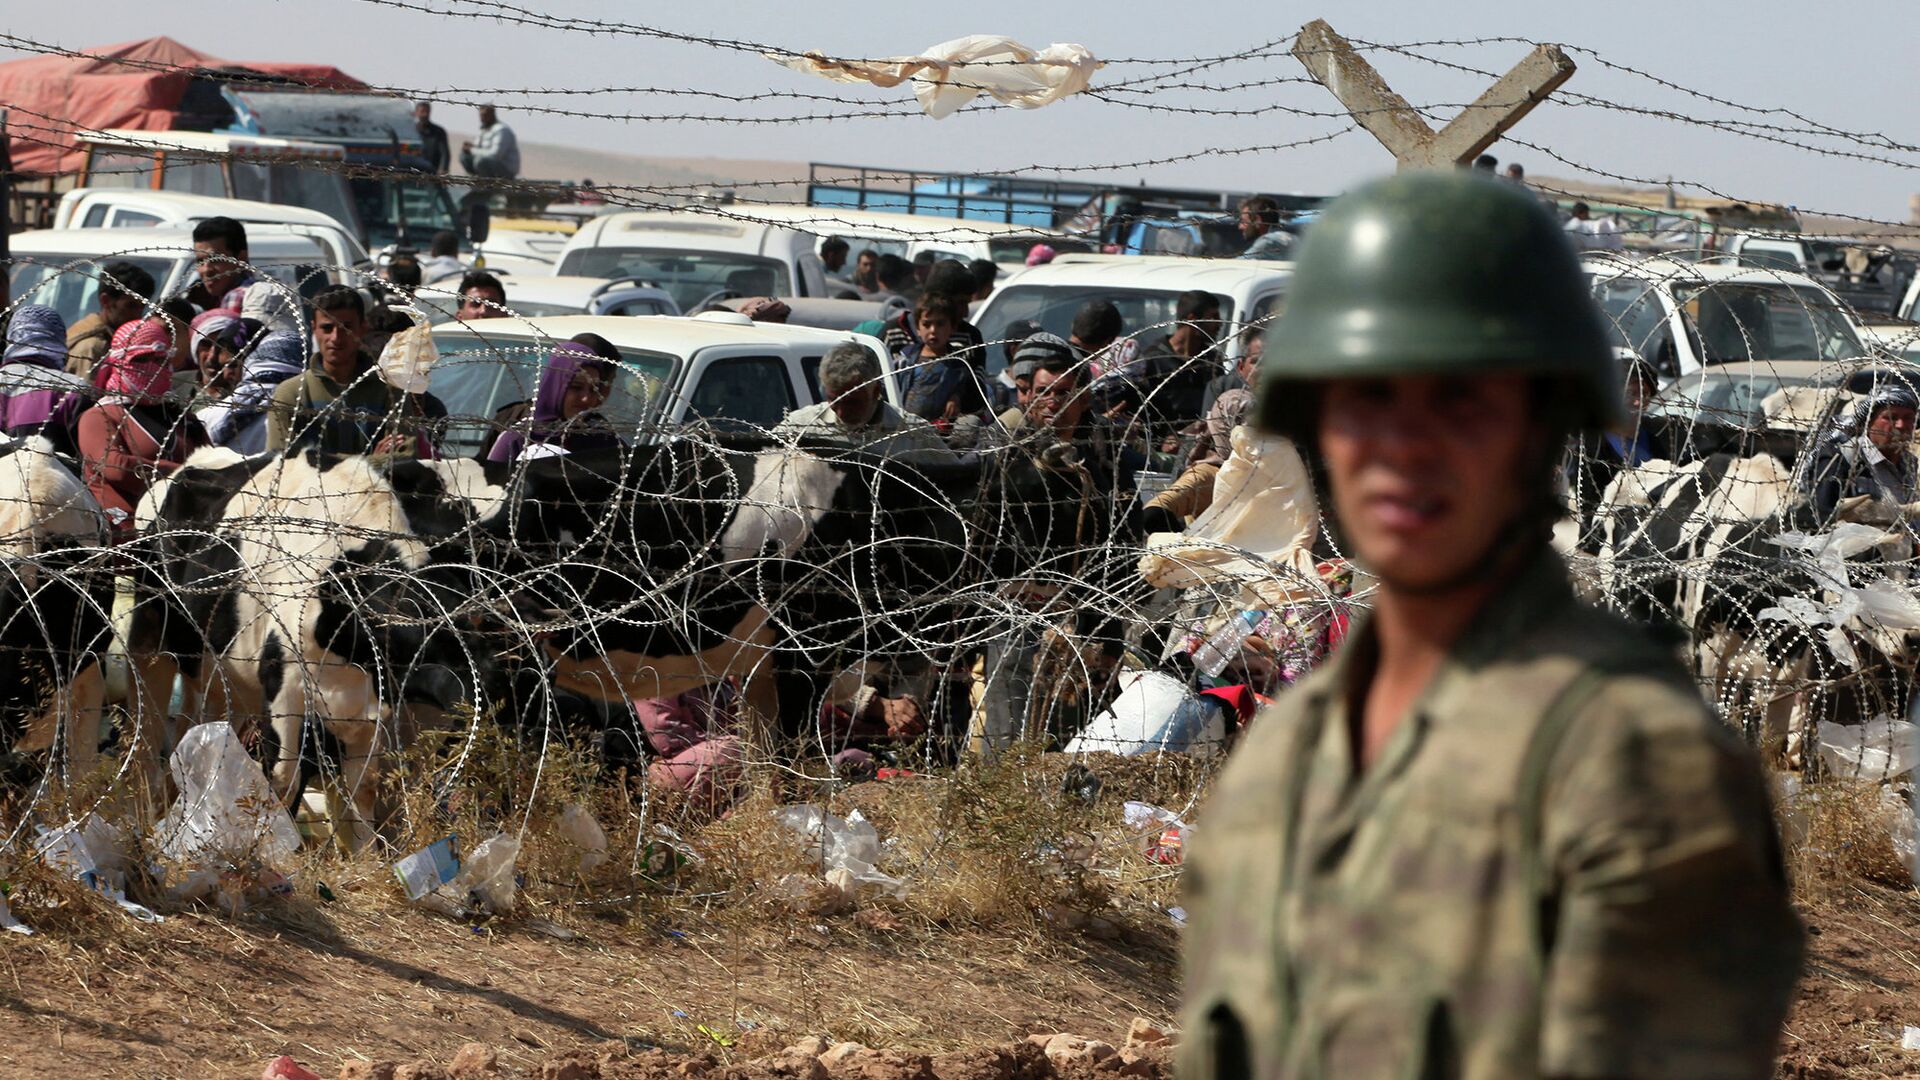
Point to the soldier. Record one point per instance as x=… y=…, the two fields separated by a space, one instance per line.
x=1498 y=834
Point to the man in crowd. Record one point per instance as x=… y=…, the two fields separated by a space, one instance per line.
x=953 y=280
x=1499 y=834
x=433 y=138
x=1060 y=472
x=923 y=268
x=1253 y=345
x=341 y=405
x=1036 y=347
x=857 y=413
x=220 y=254
x=866 y=276
x=985 y=273
x=1863 y=469
x=495 y=153
x=443 y=257
x=1260 y=228
x=481 y=297
x=833 y=258
x=125 y=290
x=1593 y=234
x=1173 y=369
x=893 y=278
x=1096 y=326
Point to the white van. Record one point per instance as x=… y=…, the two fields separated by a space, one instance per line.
x=698 y=257
x=721 y=367
x=61 y=267
x=1144 y=288
x=131 y=208
x=907 y=235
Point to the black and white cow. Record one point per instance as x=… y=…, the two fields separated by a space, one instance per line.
x=302 y=587
x=344 y=589
x=56 y=598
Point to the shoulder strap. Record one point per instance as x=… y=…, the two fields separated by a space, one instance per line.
x=1541 y=750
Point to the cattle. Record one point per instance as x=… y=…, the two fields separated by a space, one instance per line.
x=286 y=588
x=344 y=589
x=57 y=586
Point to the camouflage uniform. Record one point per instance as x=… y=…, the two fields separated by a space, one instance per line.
x=1559 y=865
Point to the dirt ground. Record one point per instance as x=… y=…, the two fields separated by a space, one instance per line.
x=202 y=995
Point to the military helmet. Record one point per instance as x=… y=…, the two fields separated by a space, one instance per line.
x=1437 y=272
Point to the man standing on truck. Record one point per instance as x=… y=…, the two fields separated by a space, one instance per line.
x=1260 y=226
x=1499 y=834
x=433 y=138
x=496 y=153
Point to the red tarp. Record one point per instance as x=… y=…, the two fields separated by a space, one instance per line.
x=99 y=93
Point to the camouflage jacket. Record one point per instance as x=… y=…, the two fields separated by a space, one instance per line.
x=1559 y=865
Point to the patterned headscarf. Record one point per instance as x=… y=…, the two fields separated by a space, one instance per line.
x=275 y=358
x=221 y=325
x=136 y=366
x=37 y=335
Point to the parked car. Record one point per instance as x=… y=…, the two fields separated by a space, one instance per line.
x=1144 y=288
x=539 y=297
x=1682 y=316
x=61 y=267
x=719 y=367
x=1896 y=337
x=129 y=208
x=699 y=258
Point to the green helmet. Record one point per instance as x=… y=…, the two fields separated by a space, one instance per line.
x=1437 y=272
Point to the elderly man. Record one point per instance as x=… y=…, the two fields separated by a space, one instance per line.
x=857 y=413
x=1864 y=468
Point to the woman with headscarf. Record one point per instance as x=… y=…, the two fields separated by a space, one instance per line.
x=573 y=384
x=134 y=435
x=1864 y=469
x=34 y=376
x=238 y=421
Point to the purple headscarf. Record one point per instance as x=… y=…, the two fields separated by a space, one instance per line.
x=38 y=335
x=550 y=400
x=548 y=424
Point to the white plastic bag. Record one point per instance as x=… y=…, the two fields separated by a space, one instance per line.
x=94 y=852
x=952 y=73
x=1154 y=712
x=487 y=875
x=851 y=844
x=1880 y=749
x=585 y=834
x=226 y=813
x=409 y=355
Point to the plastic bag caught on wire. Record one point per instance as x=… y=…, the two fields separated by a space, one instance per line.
x=226 y=812
x=952 y=73
x=1880 y=749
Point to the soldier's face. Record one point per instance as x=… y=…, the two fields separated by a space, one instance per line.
x=1426 y=472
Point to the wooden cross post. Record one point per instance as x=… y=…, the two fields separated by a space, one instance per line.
x=1333 y=62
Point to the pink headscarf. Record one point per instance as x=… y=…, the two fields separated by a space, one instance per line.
x=1040 y=255
x=136 y=366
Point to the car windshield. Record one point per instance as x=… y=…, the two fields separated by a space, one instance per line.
x=692 y=277
x=1014 y=249
x=1764 y=321
x=476 y=380
x=314 y=185
x=401 y=211
x=70 y=284
x=1144 y=312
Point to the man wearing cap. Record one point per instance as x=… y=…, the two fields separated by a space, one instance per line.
x=1864 y=469
x=1037 y=346
x=1498 y=834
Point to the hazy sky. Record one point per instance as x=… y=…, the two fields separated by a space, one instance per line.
x=1847 y=66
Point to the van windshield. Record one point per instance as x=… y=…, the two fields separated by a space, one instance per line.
x=70 y=284
x=476 y=380
x=1144 y=313
x=693 y=277
x=402 y=211
x=313 y=184
x=1764 y=321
